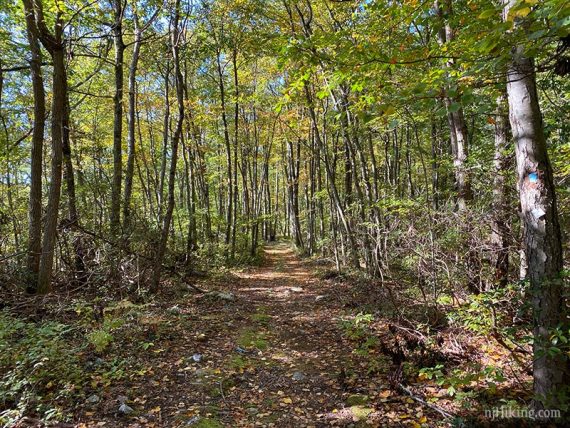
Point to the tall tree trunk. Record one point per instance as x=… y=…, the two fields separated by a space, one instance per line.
x=69 y=178
x=179 y=82
x=118 y=119
x=129 y=173
x=228 y=145
x=35 y=202
x=165 y=139
x=501 y=227
x=455 y=117
x=551 y=370
x=57 y=117
x=292 y=172
x=236 y=143
x=55 y=45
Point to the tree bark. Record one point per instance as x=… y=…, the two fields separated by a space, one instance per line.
x=179 y=81
x=236 y=143
x=57 y=117
x=35 y=201
x=131 y=138
x=456 y=119
x=54 y=44
x=230 y=201
x=118 y=119
x=551 y=370
x=501 y=226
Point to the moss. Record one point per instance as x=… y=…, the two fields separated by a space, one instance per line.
x=209 y=423
x=260 y=318
x=252 y=339
x=238 y=362
x=357 y=400
x=361 y=412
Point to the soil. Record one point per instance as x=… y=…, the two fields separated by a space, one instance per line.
x=271 y=351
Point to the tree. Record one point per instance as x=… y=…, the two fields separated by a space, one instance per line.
x=455 y=117
x=175 y=41
x=551 y=370
x=501 y=221
x=55 y=45
x=115 y=217
x=35 y=201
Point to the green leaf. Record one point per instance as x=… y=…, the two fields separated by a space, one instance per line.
x=487 y=13
x=454 y=107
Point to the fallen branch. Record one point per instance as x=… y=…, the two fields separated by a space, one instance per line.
x=425 y=403
x=124 y=247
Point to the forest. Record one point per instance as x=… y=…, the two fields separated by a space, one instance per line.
x=284 y=213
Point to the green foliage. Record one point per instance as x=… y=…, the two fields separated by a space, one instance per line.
x=492 y=311
x=111 y=371
x=115 y=317
x=457 y=380
x=358 y=330
x=100 y=339
x=37 y=362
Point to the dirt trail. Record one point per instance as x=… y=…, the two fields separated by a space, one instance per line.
x=303 y=381
x=269 y=352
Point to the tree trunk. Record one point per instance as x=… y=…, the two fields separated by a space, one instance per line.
x=35 y=202
x=57 y=114
x=236 y=142
x=292 y=172
x=228 y=146
x=129 y=173
x=456 y=119
x=165 y=139
x=179 y=81
x=54 y=44
x=551 y=370
x=501 y=226
x=118 y=119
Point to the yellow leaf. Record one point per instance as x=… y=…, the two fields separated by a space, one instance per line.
x=522 y=12
x=422 y=420
x=155 y=410
x=287 y=400
x=518 y=13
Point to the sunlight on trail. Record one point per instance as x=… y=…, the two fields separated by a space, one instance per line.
x=282 y=275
